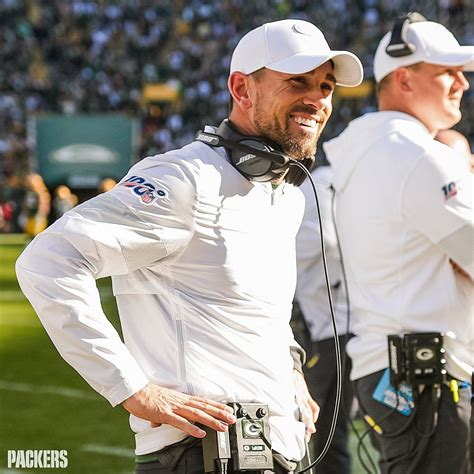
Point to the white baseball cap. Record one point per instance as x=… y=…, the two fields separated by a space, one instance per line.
x=293 y=47
x=433 y=43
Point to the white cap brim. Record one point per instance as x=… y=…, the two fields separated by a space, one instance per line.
x=347 y=66
x=463 y=57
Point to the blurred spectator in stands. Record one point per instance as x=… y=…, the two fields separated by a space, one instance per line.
x=35 y=207
x=63 y=201
x=13 y=193
x=6 y=213
x=90 y=56
x=106 y=185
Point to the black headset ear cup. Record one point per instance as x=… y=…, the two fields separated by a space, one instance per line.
x=244 y=154
x=249 y=163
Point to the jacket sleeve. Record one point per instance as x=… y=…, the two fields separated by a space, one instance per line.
x=112 y=234
x=298 y=355
x=438 y=200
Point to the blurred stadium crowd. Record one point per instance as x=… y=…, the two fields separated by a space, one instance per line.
x=89 y=56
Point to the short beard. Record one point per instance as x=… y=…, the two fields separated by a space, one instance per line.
x=297 y=148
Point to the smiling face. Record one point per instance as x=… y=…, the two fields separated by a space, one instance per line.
x=436 y=94
x=291 y=109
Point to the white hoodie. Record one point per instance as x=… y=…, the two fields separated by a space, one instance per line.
x=404 y=209
x=203 y=269
x=311 y=291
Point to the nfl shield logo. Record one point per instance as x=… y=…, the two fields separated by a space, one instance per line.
x=148 y=197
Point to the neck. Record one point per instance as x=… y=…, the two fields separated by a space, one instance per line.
x=242 y=122
x=387 y=104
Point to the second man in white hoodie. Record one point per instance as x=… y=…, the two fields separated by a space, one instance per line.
x=404 y=214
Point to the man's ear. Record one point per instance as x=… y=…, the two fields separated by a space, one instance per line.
x=239 y=84
x=402 y=77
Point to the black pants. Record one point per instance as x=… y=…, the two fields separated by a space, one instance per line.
x=413 y=452
x=471 y=446
x=186 y=458
x=321 y=380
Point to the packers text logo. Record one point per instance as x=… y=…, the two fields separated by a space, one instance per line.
x=36 y=459
x=147 y=192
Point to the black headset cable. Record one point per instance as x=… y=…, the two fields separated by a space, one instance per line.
x=337 y=347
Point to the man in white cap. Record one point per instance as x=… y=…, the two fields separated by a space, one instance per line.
x=404 y=215
x=200 y=246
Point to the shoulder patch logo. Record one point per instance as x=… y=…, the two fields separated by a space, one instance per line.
x=147 y=192
x=450 y=190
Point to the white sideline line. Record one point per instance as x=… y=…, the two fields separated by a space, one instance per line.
x=111 y=450
x=48 y=390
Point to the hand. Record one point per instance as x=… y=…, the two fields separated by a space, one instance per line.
x=309 y=409
x=161 y=405
x=457 y=269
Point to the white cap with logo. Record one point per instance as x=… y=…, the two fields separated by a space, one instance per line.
x=293 y=47
x=432 y=44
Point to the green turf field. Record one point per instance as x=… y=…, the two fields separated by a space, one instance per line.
x=44 y=404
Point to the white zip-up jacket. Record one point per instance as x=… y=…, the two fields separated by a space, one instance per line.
x=404 y=210
x=203 y=269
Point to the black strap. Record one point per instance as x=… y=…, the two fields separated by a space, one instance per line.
x=399 y=45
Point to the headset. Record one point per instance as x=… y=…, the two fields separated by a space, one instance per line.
x=256 y=158
x=399 y=46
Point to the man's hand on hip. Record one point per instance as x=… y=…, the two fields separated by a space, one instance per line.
x=309 y=409
x=161 y=405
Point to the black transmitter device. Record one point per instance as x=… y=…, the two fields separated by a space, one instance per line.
x=418 y=359
x=247 y=443
x=250 y=437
